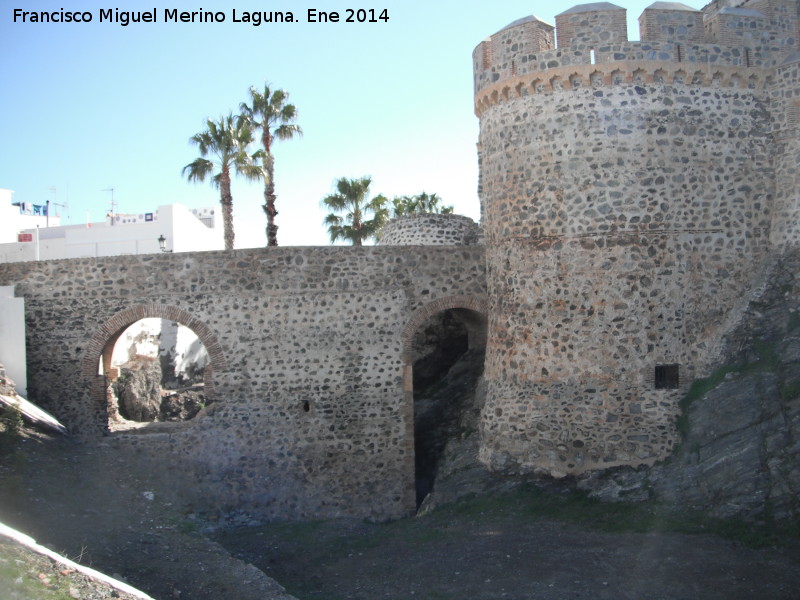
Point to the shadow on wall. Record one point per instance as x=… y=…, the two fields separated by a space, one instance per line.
x=448 y=354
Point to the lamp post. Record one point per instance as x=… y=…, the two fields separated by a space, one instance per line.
x=162 y=243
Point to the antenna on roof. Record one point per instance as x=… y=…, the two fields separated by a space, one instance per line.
x=55 y=202
x=113 y=204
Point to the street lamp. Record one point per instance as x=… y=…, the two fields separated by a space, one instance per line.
x=162 y=243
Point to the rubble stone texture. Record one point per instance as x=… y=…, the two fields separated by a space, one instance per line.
x=634 y=197
x=632 y=193
x=431 y=230
x=308 y=354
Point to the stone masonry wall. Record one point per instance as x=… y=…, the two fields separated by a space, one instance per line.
x=306 y=346
x=431 y=230
x=785 y=97
x=587 y=26
x=627 y=208
x=661 y=21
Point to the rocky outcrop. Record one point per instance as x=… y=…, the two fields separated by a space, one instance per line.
x=740 y=454
x=7 y=386
x=141 y=397
x=182 y=404
x=138 y=390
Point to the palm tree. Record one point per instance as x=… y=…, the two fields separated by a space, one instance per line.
x=432 y=204
x=227 y=140
x=423 y=203
x=352 y=199
x=269 y=112
x=403 y=206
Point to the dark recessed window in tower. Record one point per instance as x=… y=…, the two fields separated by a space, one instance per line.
x=667 y=377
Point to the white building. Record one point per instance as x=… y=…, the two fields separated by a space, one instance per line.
x=15 y=218
x=182 y=230
x=12 y=337
x=27 y=233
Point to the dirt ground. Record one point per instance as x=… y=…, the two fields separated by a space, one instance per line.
x=101 y=510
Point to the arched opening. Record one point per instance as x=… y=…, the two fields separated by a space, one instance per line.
x=99 y=355
x=445 y=349
x=155 y=373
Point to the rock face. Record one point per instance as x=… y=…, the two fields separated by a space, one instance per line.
x=7 y=387
x=141 y=397
x=183 y=404
x=449 y=352
x=138 y=390
x=740 y=455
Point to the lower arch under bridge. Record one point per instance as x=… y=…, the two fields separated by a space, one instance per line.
x=310 y=360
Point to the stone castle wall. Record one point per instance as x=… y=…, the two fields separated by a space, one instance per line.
x=431 y=230
x=785 y=100
x=307 y=365
x=631 y=195
x=628 y=196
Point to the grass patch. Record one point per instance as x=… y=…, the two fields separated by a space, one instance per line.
x=790 y=391
x=794 y=321
x=529 y=503
x=767 y=358
x=698 y=389
x=19 y=576
x=11 y=427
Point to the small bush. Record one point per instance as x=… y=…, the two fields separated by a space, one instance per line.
x=11 y=424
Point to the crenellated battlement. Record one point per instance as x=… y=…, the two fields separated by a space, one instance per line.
x=725 y=45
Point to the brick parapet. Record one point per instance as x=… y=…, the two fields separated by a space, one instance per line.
x=742 y=37
x=626 y=59
x=637 y=72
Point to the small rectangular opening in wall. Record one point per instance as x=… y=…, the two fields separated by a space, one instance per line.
x=667 y=377
x=592 y=56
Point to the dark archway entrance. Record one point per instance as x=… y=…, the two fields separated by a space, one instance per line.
x=445 y=349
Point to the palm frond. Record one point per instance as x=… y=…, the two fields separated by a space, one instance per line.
x=336 y=202
x=198 y=169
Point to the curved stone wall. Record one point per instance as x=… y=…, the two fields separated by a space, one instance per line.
x=431 y=230
x=627 y=207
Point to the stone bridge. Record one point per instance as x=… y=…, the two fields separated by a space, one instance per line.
x=310 y=352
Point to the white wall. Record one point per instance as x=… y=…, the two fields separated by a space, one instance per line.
x=12 y=338
x=12 y=222
x=129 y=234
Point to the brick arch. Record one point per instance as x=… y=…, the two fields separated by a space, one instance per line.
x=101 y=344
x=477 y=303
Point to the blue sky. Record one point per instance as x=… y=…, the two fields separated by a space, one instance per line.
x=89 y=106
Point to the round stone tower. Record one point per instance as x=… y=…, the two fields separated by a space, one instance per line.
x=627 y=194
x=429 y=229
